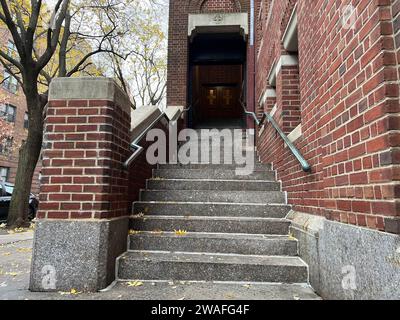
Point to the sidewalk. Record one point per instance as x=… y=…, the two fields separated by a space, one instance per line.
x=7 y=238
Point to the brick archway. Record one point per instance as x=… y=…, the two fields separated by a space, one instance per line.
x=196 y=6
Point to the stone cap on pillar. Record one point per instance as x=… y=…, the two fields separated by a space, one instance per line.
x=89 y=88
x=142 y=118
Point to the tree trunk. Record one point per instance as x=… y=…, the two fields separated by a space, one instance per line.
x=28 y=157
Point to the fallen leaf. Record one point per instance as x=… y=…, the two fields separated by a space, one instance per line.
x=71 y=292
x=6 y=254
x=296 y=297
x=247 y=286
x=135 y=284
x=24 y=250
x=3 y=225
x=13 y=274
x=180 y=232
x=230 y=296
x=291 y=237
x=74 y=292
x=133 y=232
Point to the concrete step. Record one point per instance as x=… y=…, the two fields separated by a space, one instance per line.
x=213 y=196
x=153 y=265
x=217 y=185
x=211 y=174
x=268 y=226
x=258 y=166
x=211 y=209
x=215 y=243
x=210 y=291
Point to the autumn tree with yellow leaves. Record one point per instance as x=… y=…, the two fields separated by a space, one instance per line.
x=58 y=38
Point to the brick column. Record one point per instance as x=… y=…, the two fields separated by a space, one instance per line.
x=288 y=97
x=83 y=213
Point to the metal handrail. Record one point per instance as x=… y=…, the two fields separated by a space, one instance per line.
x=304 y=164
x=249 y=113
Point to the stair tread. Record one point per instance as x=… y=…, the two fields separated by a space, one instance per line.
x=214 y=218
x=212 y=291
x=219 y=258
x=214 y=180
x=213 y=235
x=213 y=196
x=183 y=168
x=216 y=203
x=213 y=191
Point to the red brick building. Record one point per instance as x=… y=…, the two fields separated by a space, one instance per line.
x=333 y=71
x=327 y=72
x=13 y=109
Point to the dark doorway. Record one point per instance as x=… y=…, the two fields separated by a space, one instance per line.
x=217 y=80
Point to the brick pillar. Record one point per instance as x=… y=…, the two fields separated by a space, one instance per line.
x=288 y=88
x=83 y=213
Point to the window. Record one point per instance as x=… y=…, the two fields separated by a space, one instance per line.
x=6 y=146
x=26 y=120
x=8 y=111
x=11 y=49
x=10 y=83
x=4 y=173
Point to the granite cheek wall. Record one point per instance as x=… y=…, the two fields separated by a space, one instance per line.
x=346 y=261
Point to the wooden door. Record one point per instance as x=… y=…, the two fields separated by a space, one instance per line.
x=220 y=101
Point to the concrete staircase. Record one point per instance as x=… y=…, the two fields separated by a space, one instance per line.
x=236 y=227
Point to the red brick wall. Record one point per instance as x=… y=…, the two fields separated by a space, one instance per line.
x=140 y=170
x=220 y=6
x=288 y=98
x=83 y=177
x=396 y=24
x=349 y=99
